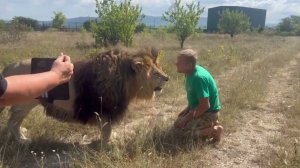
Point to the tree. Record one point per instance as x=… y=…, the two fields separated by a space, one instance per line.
x=297 y=30
x=87 y=25
x=291 y=25
x=25 y=23
x=295 y=19
x=183 y=19
x=140 y=27
x=117 y=22
x=233 y=22
x=285 y=25
x=58 y=20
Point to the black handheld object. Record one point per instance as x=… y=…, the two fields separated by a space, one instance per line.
x=60 y=92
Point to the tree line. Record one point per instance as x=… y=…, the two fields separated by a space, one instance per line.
x=118 y=21
x=289 y=26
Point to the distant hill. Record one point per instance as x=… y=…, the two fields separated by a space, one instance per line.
x=157 y=21
x=271 y=25
x=153 y=21
x=71 y=22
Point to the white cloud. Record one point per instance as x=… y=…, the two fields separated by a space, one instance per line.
x=37 y=2
x=158 y=2
x=60 y=2
x=87 y=2
x=6 y=8
x=150 y=2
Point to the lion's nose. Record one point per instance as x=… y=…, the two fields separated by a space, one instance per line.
x=167 y=78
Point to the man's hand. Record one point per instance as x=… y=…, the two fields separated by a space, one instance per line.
x=184 y=112
x=63 y=67
x=181 y=122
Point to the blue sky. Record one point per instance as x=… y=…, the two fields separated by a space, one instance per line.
x=43 y=9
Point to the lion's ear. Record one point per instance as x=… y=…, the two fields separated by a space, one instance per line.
x=154 y=52
x=136 y=65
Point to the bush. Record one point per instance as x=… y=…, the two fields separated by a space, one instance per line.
x=140 y=28
x=117 y=22
x=289 y=26
x=233 y=22
x=297 y=30
x=183 y=19
x=25 y=24
x=87 y=25
x=58 y=20
x=2 y=25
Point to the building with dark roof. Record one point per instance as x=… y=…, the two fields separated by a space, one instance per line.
x=256 y=16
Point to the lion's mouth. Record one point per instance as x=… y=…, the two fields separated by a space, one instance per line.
x=157 y=89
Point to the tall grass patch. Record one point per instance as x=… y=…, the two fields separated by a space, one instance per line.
x=245 y=88
x=288 y=152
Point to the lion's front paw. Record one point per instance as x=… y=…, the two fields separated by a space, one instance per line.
x=25 y=141
x=22 y=138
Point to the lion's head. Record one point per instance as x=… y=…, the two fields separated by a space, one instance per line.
x=150 y=77
x=110 y=80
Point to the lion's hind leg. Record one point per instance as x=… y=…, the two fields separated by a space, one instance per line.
x=18 y=114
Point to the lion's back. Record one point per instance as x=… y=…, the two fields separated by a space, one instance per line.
x=18 y=68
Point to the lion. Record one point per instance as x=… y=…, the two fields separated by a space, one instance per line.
x=101 y=88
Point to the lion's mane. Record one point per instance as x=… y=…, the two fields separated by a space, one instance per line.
x=106 y=84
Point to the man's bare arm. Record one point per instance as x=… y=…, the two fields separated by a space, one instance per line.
x=203 y=106
x=21 y=88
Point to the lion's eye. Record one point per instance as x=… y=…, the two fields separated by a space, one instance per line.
x=157 y=74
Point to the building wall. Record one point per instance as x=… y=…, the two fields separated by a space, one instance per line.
x=257 y=16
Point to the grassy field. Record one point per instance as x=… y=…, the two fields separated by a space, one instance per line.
x=288 y=155
x=241 y=66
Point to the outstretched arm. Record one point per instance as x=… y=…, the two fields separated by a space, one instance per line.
x=21 y=88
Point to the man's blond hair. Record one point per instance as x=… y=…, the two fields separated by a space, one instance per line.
x=189 y=55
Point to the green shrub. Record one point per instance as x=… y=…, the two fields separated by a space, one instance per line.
x=117 y=22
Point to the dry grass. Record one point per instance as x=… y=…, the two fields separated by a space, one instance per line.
x=240 y=65
x=50 y=44
x=288 y=152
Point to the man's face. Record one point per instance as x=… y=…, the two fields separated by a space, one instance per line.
x=182 y=65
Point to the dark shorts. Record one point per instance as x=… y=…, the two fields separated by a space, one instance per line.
x=206 y=120
x=3 y=85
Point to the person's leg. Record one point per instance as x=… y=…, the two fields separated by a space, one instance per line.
x=218 y=131
x=214 y=132
x=175 y=131
x=209 y=127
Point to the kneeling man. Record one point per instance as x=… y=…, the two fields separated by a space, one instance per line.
x=201 y=114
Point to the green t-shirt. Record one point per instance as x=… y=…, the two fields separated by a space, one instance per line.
x=199 y=85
